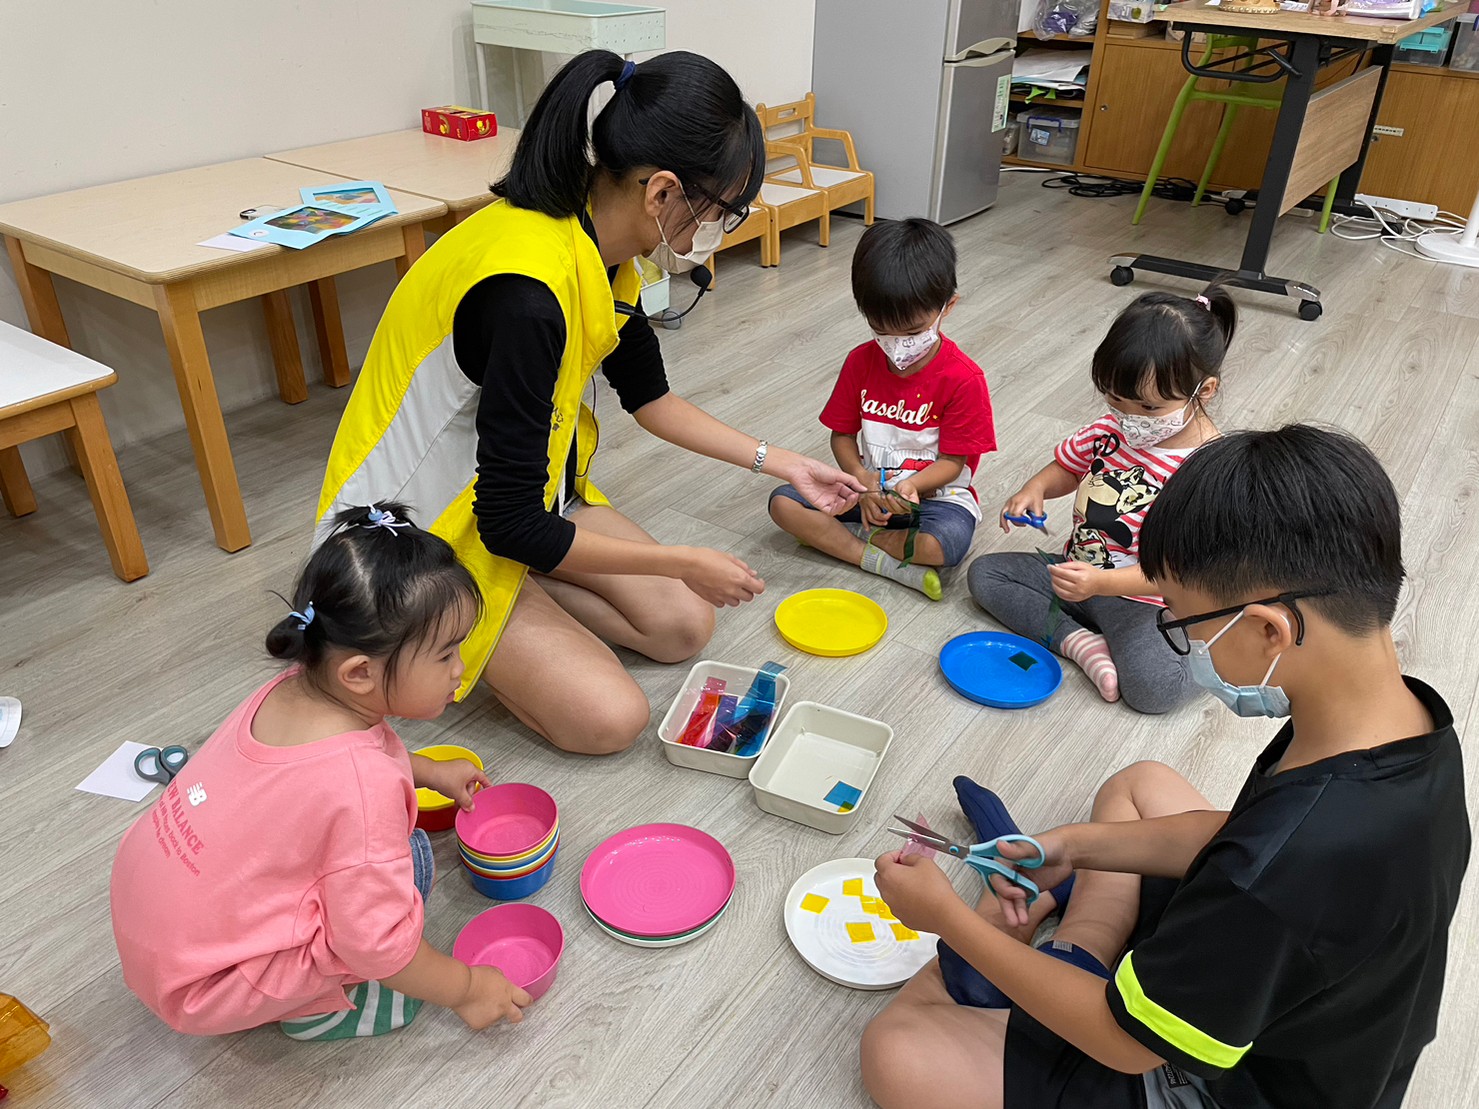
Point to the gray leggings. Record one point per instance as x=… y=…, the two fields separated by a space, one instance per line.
x=1016 y=589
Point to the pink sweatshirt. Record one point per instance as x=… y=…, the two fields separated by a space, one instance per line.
x=266 y=878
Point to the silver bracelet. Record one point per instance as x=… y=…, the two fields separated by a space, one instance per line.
x=759 y=462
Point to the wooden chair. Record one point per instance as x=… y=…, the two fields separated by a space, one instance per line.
x=758 y=225
x=843 y=185
x=46 y=389
x=791 y=205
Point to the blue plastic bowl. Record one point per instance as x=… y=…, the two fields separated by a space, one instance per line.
x=512 y=889
x=1000 y=670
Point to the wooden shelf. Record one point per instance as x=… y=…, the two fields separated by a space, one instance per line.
x=1435 y=70
x=1042 y=102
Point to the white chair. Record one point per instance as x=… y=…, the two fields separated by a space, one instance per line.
x=45 y=389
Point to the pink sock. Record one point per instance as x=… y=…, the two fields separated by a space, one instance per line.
x=1090 y=653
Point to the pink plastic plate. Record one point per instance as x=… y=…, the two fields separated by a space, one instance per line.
x=523 y=941
x=657 y=880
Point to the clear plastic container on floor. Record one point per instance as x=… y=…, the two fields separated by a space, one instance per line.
x=1049 y=135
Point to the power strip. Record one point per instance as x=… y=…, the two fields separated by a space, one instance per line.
x=1405 y=208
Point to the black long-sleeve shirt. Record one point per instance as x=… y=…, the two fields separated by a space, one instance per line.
x=508 y=336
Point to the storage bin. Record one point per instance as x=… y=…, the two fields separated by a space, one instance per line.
x=817 y=755
x=1049 y=135
x=1465 y=44
x=1429 y=47
x=1011 y=134
x=737 y=679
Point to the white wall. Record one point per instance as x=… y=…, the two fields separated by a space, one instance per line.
x=100 y=90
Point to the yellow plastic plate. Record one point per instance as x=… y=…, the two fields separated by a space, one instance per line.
x=831 y=622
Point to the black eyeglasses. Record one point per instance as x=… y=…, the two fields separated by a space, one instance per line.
x=733 y=216
x=1174 y=631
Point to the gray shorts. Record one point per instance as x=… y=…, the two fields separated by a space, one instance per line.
x=951 y=525
x=1169 y=1087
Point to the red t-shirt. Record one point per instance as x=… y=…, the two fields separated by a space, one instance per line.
x=904 y=424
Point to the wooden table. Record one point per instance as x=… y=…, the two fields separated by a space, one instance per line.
x=455 y=173
x=137 y=240
x=1317 y=134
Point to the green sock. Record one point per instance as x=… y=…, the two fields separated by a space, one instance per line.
x=885 y=565
x=377 y=1010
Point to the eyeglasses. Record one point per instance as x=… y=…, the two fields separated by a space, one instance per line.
x=733 y=216
x=1176 y=637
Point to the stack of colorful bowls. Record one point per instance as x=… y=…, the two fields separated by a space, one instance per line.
x=657 y=885
x=508 y=840
x=434 y=812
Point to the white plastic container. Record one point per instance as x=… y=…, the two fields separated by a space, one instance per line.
x=814 y=748
x=1049 y=135
x=737 y=679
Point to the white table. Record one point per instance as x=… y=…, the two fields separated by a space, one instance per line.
x=561 y=27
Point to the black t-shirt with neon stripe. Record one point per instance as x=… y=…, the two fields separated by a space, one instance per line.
x=1300 y=962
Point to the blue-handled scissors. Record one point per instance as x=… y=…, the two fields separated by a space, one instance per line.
x=982 y=857
x=160 y=764
x=1038 y=520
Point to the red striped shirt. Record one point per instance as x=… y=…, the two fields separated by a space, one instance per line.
x=1117 y=487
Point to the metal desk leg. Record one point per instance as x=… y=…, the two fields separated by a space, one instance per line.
x=1305 y=57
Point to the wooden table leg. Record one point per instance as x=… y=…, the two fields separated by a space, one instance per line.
x=282 y=333
x=415 y=238
x=38 y=294
x=105 y=486
x=323 y=298
x=15 y=487
x=180 y=321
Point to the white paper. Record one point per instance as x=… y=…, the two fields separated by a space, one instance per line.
x=228 y=241
x=1052 y=68
x=117 y=777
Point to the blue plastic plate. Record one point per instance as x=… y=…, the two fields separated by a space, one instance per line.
x=1001 y=670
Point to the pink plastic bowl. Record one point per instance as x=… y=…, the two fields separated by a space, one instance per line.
x=523 y=941
x=507 y=820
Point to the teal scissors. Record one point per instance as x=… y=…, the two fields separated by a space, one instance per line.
x=160 y=764
x=981 y=857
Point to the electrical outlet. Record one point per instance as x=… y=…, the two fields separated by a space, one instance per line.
x=1408 y=209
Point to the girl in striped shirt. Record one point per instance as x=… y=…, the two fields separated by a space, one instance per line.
x=1157 y=368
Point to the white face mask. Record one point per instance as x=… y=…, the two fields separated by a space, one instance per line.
x=1140 y=430
x=706 y=239
x=905 y=350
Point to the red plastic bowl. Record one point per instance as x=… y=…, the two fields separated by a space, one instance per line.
x=523 y=941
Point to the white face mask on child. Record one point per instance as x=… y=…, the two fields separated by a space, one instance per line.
x=905 y=350
x=1140 y=431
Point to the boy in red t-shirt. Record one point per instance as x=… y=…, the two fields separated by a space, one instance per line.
x=910 y=417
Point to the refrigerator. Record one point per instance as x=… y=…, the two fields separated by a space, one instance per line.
x=924 y=86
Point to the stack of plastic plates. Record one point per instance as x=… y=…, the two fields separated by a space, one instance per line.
x=657 y=885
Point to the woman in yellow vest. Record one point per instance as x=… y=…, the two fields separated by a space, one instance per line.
x=469 y=406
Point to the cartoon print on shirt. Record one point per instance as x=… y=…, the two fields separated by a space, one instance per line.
x=1103 y=497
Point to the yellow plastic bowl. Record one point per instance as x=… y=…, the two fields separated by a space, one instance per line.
x=436 y=813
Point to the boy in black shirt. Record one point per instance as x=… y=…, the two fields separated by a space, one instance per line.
x=1297 y=960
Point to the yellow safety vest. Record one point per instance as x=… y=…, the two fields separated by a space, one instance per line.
x=408 y=433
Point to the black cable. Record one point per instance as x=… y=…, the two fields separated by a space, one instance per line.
x=1085 y=185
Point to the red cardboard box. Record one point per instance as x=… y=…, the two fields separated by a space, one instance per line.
x=456 y=122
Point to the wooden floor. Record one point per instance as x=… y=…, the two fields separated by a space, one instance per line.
x=735 y=1018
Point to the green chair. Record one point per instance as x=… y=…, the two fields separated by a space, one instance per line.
x=1231 y=101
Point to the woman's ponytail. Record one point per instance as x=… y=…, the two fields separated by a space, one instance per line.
x=551 y=169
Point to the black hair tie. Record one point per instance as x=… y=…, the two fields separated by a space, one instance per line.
x=627 y=69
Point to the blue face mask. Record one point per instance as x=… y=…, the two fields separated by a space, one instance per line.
x=1245 y=700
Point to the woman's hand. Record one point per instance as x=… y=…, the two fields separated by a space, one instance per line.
x=1075 y=581
x=458 y=779
x=1027 y=501
x=825 y=487
x=1057 y=866
x=719 y=578
x=490 y=998
x=916 y=890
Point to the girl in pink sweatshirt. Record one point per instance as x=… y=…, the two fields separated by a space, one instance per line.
x=280 y=876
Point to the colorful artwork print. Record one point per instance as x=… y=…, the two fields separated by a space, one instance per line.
x=346 y=196
x=312 y=221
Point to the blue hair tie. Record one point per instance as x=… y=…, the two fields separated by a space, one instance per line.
x=305 y=617
x=627 y=69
